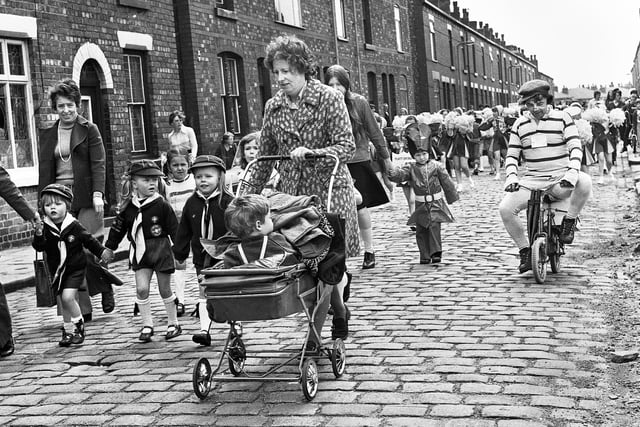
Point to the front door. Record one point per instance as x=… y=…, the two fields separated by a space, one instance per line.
x=92 y=108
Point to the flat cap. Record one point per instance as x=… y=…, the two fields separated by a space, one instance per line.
x=532 y=88
x=145 y=168
x=206 y=160
x=59 y=189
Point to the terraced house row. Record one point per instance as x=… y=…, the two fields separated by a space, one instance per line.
x=138 y=60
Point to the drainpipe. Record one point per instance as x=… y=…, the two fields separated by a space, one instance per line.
x=355 y=25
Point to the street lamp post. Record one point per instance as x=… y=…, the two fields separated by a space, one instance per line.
x=460 y=85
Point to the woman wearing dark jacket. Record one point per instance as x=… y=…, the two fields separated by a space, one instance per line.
x=365 y=129
x=71 y=153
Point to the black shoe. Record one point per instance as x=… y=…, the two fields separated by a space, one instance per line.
x=436 y=258
x=196 y=311
x=203 y=338
x=145 y=334
x=179 y=308
x=425 y=261
x=8 y=349
x=172 y=332
x=369 y=260
x=525 y=260
x=346 y=293
x=66 y=339
x=108 y=302
x=475 y=171
x=567 y=231
x=78 y=333
x=340 y=328
x=136 y=309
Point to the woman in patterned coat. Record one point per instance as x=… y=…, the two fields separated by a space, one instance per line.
x=307 y=117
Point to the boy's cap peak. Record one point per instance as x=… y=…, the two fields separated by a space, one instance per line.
x=59 y=189
x=207 y=160
x=145 y=168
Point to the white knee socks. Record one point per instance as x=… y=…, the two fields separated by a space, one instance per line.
x=204 y=315
x=145 y=312
x=179 y=279
x=367 y=239
x=170 y=306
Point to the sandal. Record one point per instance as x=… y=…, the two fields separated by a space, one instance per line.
x=172 y=331
x=146 y=333
x=179 y=308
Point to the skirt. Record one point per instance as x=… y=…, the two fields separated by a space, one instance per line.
x=157 y=256
x=368 y=184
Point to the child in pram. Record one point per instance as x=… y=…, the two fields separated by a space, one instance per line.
x=249 y=218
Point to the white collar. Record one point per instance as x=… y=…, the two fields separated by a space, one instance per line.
x=66 y=222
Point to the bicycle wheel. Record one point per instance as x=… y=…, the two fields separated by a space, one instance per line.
x=539 y=259
x=554 y=260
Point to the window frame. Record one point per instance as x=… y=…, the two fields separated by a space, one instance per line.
x=278 y=6
x=397 y=20
x=224 y=94
x=432 y=41
x=366 y=22
x=340 y=19
x=132 y=103
x=28 y=175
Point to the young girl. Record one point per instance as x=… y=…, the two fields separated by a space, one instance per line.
x=459 y=148
x=246 y=153
x=180 y=186
x=62 y=238
x=203 y=218
x=431 y=184
x=150 y=224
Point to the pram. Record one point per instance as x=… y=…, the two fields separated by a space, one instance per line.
x=253 y=294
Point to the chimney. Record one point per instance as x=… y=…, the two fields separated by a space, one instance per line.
x=465 y=16
x=444 y=5
x=565 y=90
x=473 y=24
x=456 y=10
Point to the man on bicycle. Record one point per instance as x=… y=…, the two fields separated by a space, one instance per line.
x=548 y=142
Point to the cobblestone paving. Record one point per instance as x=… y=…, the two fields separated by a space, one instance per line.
x=465 y=343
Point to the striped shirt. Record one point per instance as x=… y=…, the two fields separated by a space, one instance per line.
x=550 y=147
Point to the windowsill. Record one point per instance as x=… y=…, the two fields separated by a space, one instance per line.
x=493 y=79
x=225 y=13
x=342 y=39
x=453 y=68
x=24 y=177
x=289 y=25
x=138 y=4
x=369 y=46
x=465 y=71
x=435 y=61
x=403 y=52
x=475 y=74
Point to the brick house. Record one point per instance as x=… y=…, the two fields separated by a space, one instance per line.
x=123 y=55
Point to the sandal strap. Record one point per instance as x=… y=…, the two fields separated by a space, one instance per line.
x=147 y=330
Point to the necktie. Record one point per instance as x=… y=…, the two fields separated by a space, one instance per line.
x=62 y=246
x=206 y=223
x=138 y=247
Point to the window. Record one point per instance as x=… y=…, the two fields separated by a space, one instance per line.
x=17 y=140
x=136 y=101
x=432 y=41
x=451 y=49
x=403 y=89
x=366 y=21
x=288 y=12
x=396 y=18
x=372 y=88
x=392 y=96
x=473 y=58
x=500 y=75
x=436 y=94
x=465 y=58
x=341 y=29
x=224 y=4
x=491 y=64
x=385 y=89
x=264 y=82
x=484 y=63
x=230 y=92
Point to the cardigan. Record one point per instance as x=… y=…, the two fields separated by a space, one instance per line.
x=189 y=230
x=87 y=161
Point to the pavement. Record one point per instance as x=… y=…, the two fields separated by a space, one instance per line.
x=468 y=342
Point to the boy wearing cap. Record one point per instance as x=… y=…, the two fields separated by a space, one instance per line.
x=203 y=218
x=63 y=239
x=150 y=225
x=548 y=140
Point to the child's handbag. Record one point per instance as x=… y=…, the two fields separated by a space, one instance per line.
x=45 y=294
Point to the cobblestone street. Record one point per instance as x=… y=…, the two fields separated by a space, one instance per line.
x=466 y=343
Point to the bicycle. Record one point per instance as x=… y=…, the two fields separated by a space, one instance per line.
x=544 y=228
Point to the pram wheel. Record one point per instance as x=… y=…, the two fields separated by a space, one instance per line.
x=338 y=357
x=309 y=379
x=202 y=378
x=237 y=355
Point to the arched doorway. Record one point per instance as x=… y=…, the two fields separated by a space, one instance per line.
x=94 y=108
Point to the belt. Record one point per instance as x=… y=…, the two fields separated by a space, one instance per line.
x=429 y=197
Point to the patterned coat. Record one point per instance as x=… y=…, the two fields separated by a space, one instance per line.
x=322 y=125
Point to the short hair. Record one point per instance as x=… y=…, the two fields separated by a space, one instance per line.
x=178 y=152
x=597 y=92
x=633 y=91
x=67 y=88
x=227 y=135
x=52 y=197
x=174 y=114
x=293 y=50
x=243 y=212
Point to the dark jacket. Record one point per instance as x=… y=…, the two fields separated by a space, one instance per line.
x=189 y=230
x=75 y=238
x=370 y=132
x=277 y=248
x=158 y=221
x=87 y=160
x=13 y=196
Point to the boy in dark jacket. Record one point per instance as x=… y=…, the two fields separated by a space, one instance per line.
x=63 y=239
x=203 y=218
x=150 y=224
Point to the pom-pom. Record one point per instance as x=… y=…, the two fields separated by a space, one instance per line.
x=584 y=131
x=487 y=113
x=616 y=117
x=509 y=112
x=450 y=118
x=424 y=118
x=464 y=123
x=398 y=122
x=436 y=119
x=500 y=109
x=596 y=115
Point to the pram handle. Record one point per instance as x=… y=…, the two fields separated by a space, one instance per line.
x=310 y=156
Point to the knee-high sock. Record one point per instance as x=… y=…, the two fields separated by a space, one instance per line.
x=145 y=312
x=367 y=239
x=205 y=322
x=170 y=306
x=179 y=279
